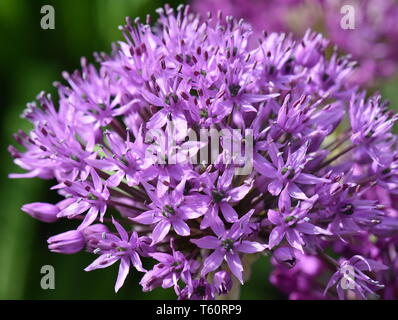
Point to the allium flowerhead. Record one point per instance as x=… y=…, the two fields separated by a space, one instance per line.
x=191 y=147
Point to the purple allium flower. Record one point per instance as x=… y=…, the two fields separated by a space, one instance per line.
x=227 y=245
x=88 y=196
x=371 y=123
x=292 y=224
x=113 y=248
x=351 y=275
x=219 y=195
x=170 y=269
x=199 y=290
x=285 y=255
x=222 y=282
x=300 y=282
x=153 y=143
x=171 y=210
x=311 y=49
x=93 y=234
x=45 y=212
x=67 y=243
x=286 y=175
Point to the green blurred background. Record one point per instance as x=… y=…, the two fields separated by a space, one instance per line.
x=30 y=60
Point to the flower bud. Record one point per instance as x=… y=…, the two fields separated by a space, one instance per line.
x=67 y=243
x=42 y=211
x=307 y=57
x=145 y=247
x=95 y=229
x=94 y=234
x=310 y=51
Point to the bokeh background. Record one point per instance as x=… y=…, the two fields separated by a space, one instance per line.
x=30 y=60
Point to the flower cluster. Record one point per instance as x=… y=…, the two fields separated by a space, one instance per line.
x=370 y=37
x=319 y=198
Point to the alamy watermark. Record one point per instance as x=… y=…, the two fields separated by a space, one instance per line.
x=347 y=21
x=47 y=281
x=204 y=146
x=48 y=19
x=347 y=282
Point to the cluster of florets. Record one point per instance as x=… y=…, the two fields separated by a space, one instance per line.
x=318 y=197
x=367 y=29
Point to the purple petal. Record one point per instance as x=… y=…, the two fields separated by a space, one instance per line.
x=333 y=280
x=180 y=227
x=212 y=220
x=264 y=167
x=367 y=264
x=306 y=178
x=195 y=207
x=151 y=98
x=115 y=179
x=133 y=239
x=149 y=190
x=160 y=231
x=90 y=217
x=136 y=261
x=96 y=180
x=309 y=228
x=294 y=239
x=241 y=226
x=276 y=236
x=274 y=216
x=249 y=247
x=239 y=193
x=275 y=187
x=228 y=212
x=74 y=209
x=162 y=257
x=226 y=179
x=124 y=235
x=212 y=262
x=123 y=272
x=298 y=156
x=102 y=164
x=235 y=265
x=148 y=217
x=295 y=192
x=284 y=202
x=168 y=281
x=207 y=242
x=181 y=125
x=101 y=262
